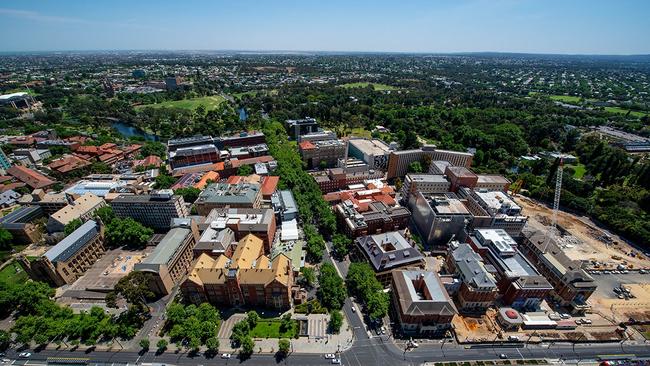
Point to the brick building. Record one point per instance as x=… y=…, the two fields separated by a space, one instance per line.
x=478 y=289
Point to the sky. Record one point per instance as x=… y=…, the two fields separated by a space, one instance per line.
x=530 y=26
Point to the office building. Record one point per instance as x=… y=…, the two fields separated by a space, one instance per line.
x=456 y=158
x=492 y=183
x=194 y=155
x=426 y=184
x=459 y=177
x=155 y=210
x=172 y=258
x=219 y=195
x=478 y=289
x=320 y=135
x=185 y=142
x=387 y=252
x=421 y=304
x=81 y=208
x=328 y=152
x=247 y=278
x=438 y=167
x=21 y=224
x=399 y=161
x=373 y=152
x=240 y=140
x=367 y=218
x=439 y=217
x=298 y=127
x=340 y=178
x=520 y=284
x=284 y=206
x=49 y=202
x=493 y=209
x=242 y=221
x=572 y=285
x=70 y=258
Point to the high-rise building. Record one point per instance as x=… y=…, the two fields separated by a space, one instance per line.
x=373 y=152
x=155 y=210
x=219 y=195
x=316 y=152
x=298 y=127
x=439 y=217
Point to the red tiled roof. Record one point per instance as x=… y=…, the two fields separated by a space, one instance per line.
x=251 y=161
x=30 y=177
x=306 y=145
x=269 y=185
x=68 y=163
x=6 y=187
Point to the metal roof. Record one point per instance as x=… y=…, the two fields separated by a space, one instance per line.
x=72 y=243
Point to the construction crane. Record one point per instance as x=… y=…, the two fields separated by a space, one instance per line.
x=556 y=203
x=516 y=187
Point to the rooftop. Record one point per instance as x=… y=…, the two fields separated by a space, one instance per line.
x=447 y=204
x=370 y=147
x=421 y=293
x=428 y=178
x=166 y=250
x=229 y=193
x=388 y=250
x=72 y=243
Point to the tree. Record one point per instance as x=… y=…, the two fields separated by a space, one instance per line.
x=144 y=344
x=5 y=239
x=336 y=320
x=164 y=181
x=134 y=288
x=341 y=244
x=415 y=167
x=308 y=276
x=331 y=289
x=5 y=339
x=252 y=317
x=153 y=148
x=161 y=345
x=127 y=232
x=361 y=282
x=284 y=346
x=247 y=345
x=245 y=170
x=287 y=323
x=190 y=194
x=105 y=214
x=239 y=332
x=322 y=165
x=212 y=344
x=72 y=226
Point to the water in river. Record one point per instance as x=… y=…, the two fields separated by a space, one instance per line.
x=128 y=130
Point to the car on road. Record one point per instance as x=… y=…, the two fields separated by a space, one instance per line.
x=503 y=356
x=25 y=355
x=330 y=356
x=336 y=361
x=226 y=356
x=383 y=330
x=354 y=310
x=414 y=344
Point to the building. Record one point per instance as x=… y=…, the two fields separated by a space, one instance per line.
x=298 y=127
x=478 y=289
x=19 y=100
x=368 y=218
x=171 y=260
x=284 y=206
x=194 y=155
x=5 y=163
x=99 y=188
x=439 y=167
x=492 y=183
x=9 y=198
x=251 y=151
x=218 y=195
x=21 y=226
x=242 y=221
x=81 y=208
x=373 y=152
x=399 y=161
x=70 y=258
x=185 y=142
x=49 y=202
x=320 y=135
x=268 y=183
x=240 y=140
x=493 y=209
x=388 y=252
x=316 y=153
x=68 y=163
x=421 y=304
x=214 y=242
x=572 y=285
x=460 y=176
x=31 y=156
x=247 y=278
x=439 y=217
x=30 y=177
x=155 y=210
x=456 y=158
x=173 y=82
x=520 y=284
x=426 y=184
x=340 y=178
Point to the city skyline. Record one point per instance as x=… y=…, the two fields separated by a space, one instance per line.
x=550 y=27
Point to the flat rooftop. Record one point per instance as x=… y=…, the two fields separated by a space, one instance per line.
x=370 y=147
x=447 y=204
x=482 y=178
x=428 y=178
x=496 y=200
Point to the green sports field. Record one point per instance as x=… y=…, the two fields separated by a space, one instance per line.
x=208 y=102
x=375 y=86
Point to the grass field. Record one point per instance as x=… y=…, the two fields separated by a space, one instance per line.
x=360 y=132
x=13 y=274
x=566 y=98
x=208 y=102
x=619 y=110
x=375 y=86
x=271 y=329
x=579 y=170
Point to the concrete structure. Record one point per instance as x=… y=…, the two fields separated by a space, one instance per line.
x=155 y=210
x=370 y=218
x=320 y=135
x=373 y=152
x=284 y=205
x=185 y=142
x=98 y=188
x=194 y=155
x=572 y=285
x=49 y=202
x=421 y=304
x=82 y=208
x=218 y=195
x=456 y=158
x=388 y=252
x=298 y=127
x=242 y=221
x=5 y=163
x=478 y=289
x=492 y=183
x=171 y=260
x=339 y=178
x=520 y=285
x=424 y=183
x=70 y=258
x=214 y=242
x=316 y=152
x=493 y=209
x=439 y=217
x=19 y=100
x=20 y=223
x=399 y=161
x=240 y=140
x=439 y=167
x=460 y=176
x=247 y=278
x=31 y=156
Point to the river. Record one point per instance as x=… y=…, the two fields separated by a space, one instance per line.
x=128 y=130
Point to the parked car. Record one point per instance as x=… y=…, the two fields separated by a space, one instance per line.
x=329 y=356
x=226 y=356
x=25 y=355
x=336 y=361
x=503 y=356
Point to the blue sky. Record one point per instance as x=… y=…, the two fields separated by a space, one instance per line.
x=538 y=26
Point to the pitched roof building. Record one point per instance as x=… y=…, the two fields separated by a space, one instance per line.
x=30 y=177
x=387 y=252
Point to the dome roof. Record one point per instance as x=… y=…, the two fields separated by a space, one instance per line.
x=512 y=314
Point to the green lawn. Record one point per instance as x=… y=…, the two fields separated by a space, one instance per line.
x=271 y=329
x=579 y=170
x=208 y=102
x=375 y=86
x=620 y=110
x=566 y=98
x=360 y=132
x=10 y=275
